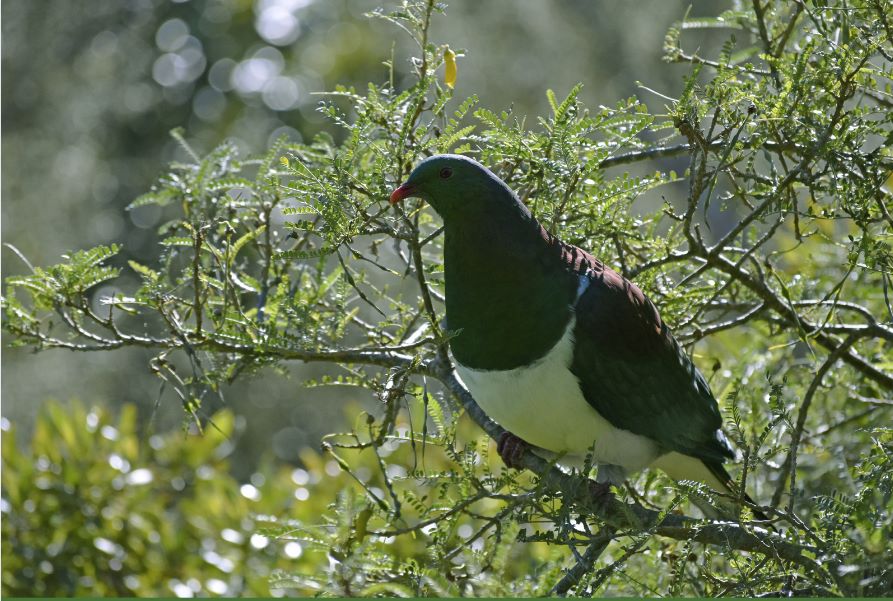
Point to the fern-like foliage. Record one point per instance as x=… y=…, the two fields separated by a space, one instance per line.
x=751 y=209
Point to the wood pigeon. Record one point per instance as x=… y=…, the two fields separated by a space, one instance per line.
x=558 y=349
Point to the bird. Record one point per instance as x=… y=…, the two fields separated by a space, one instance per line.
x=572 y=359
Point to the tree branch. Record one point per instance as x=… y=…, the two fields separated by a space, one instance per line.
x=790 y=462
x=584 y=565
x=783 y=309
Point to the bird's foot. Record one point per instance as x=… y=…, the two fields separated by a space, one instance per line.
x=511 y=449
x=600 y=491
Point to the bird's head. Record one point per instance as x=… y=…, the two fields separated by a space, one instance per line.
x=453 y=185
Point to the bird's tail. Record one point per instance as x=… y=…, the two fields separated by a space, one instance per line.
x=712 y=473
x=730 y=488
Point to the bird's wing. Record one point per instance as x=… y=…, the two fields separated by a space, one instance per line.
x=634 y=373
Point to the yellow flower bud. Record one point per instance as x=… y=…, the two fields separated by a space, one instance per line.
x=450 y=72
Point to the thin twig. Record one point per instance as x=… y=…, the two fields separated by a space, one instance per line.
x=790 y=462
x=584 y=565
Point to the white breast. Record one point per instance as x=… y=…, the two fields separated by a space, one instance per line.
x=542 y=404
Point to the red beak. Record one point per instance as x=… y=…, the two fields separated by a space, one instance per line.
x=401 y=193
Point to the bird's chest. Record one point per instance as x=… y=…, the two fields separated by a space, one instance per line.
x=506 y=309
x=543 y=404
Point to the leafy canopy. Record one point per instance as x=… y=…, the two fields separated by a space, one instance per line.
x=768 y=252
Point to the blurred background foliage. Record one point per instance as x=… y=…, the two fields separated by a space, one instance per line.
x=92 y=88
x=91 y=508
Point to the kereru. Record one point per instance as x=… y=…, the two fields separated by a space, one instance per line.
x=558 y=349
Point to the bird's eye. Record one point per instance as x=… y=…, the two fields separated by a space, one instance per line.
x=446 y=172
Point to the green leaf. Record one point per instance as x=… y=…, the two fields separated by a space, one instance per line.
x=245 y=239
x=144 y=271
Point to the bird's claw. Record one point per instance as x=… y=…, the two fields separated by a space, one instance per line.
x=511 y=449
